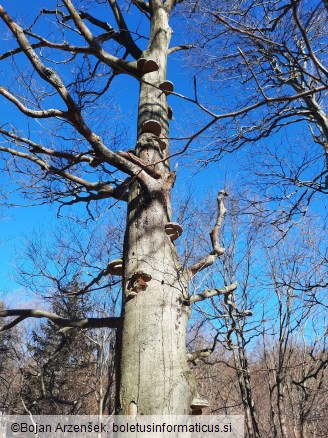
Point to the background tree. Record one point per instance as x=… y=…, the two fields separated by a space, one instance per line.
x=276 y=53
x=254 y=365
x=67 y=370
x=11 y=361
x=58 y=378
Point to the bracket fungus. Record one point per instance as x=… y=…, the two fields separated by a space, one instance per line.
x=139 y=280
x=138 y=283
x=167 y=87
x=198 y=404
x=147 y=65
x=152 y=126
x=173 y=230
x=115 y=267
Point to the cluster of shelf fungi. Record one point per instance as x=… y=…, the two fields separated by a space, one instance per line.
x=153 y=126
x=173 y=231
x=139 y=280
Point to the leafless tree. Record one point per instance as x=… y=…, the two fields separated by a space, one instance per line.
x=267 y=63
x=275 y=360
x=297 y=272
x=12 y=357
x=60 y=71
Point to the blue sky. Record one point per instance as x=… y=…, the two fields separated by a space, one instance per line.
x=18 y=222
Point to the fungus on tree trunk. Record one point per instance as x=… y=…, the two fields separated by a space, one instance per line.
x=147 y=65
x=115 y=267
x=197 y=405
x=173 y=230
x=152 y=126
x=138 y=283
x=167 y=87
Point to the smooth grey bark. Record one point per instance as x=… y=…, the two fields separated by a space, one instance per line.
x=154 y=376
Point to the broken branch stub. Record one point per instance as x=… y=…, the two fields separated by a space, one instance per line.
x=162 y=141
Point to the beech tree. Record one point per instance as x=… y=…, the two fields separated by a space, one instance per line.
x=79 y=165
x=63 y=147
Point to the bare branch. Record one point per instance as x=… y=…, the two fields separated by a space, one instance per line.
x=195 y=356
x=110 y=322
x=129 y=44
x=217 y=249
x=245 y=32
x=306 y=39
x=44 y=165
x=149 y=168
x=31 y=113
x=122 y=65
x=209 y=293
x=45 y=43
x=74 y=114
x=38 y=148
x=142 y=5
x=313 y=373
x=123 y=37
x=182 y=47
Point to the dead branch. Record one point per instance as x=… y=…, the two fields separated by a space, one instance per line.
x=209 y=293
x=182 y=47
x=217 y=249
x=22 y=314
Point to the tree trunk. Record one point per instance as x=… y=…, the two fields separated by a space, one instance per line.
x=244 y=380
x=281 y=389
x=154 y=376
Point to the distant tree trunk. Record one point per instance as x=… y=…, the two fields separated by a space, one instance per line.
x=281 y=405
x=245 y=386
